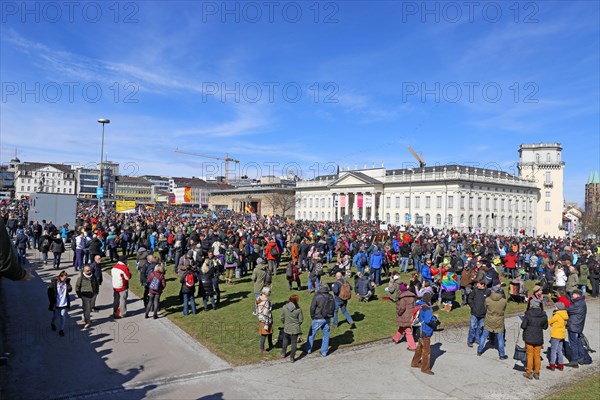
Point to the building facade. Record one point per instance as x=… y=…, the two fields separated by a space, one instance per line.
x=449 y=196
x=33 y=177
x=87 y=182
x=260 y=200
x=592 y=193
x=542 y=163
x=133 y=188
x=160 y=185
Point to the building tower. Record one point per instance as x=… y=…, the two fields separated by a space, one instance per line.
x=592 y=193
x=541 y=163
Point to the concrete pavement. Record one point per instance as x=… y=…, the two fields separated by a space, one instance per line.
x=136 y=358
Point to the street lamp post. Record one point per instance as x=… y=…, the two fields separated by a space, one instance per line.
x=102 y=121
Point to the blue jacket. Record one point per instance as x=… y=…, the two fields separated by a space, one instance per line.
x=153 y=242
x=426 y=317
x=376 y=260
x=426 y=273
x=356 y=260
x=395 y=245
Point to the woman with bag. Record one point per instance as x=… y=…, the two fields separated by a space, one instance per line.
x=156 y=285
x=534 y=323
x=292 y=319
x=265 y=319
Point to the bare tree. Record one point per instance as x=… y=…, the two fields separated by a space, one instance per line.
x=281 y=201
x=590 y=223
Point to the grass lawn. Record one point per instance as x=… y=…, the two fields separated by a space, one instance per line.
x=585 y=389
x=231 y=331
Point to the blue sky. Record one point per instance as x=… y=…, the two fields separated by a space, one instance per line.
x=307 y=85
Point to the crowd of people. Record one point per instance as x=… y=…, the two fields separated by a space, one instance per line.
x=424 y=266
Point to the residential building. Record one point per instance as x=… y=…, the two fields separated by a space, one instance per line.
x=32 y=177
x=160 y=185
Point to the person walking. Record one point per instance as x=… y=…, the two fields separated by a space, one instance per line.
x=44 y=246
x=342 y=292
x=404 y=308
x=96 y=267
x=120 y=281
x=292 y=319
x=558 y=333
x=375 y=264
x=57 y=247
x=321 y=311
x=206 y=289
x=265 y=319
x=427 y=323
x=87 y=288
x=156 y=285
x=58 y=297
x=534 y=323
x=494 y=321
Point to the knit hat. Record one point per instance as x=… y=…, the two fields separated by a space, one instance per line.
x=560 y=305
x=403 y=287
x=536 y=288
x=578 y=291
x=535 y=303
x=496 y=289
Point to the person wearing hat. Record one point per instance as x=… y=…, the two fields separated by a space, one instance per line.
x=494 y=321
x=534 y=323
x=577 y=312
x=261 y=276
x=393 y=287
x=428 y=322
x=558 y=333
x=404 y=307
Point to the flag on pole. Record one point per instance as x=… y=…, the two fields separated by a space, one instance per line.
x=214 y=216
x=249 y=209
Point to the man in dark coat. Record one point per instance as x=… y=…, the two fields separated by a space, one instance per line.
x=577 y=313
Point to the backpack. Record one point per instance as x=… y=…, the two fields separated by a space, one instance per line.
x=189 y=280
x=318 y=269
x=46 y=243
x=274 y=252
x=289 y=272
x=328 y=306
x=362 y=260
x=155 y=284
x=488 y=278
x=268 y=279
x=415 y=321
x=345 y=291
x=229 y=256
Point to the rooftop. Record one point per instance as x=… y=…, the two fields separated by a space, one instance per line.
x=594 y=177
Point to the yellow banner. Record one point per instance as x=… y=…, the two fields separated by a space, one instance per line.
x=123 y=206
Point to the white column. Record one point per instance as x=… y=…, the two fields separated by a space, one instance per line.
x=355 y=207
x=373 y=208
x=347 y=208
x=339 y=206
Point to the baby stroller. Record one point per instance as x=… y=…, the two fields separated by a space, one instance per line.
x=517 y=291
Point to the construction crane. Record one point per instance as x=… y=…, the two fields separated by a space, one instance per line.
x=419 y=157
x=227 y=160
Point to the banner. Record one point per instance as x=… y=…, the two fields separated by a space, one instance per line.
x=359 y=200
x=125 y=206
x=369 y=201
x=249 y=209
x=187 y=195
x=342 y=200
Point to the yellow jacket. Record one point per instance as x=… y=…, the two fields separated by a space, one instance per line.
x=558 y=324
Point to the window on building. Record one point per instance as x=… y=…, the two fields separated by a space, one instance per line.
x=547 y=157
x=304 y=214
x=427 y=201
x=407 y=202
x=397 y=219
x=547 y=194
x=501 y=204
x=438 y=202
x=417 y=201
x=329 y=215
x=510 y=205
x=479 y=202
x=438 y=219
x=547 y=206
x=427 y=219
x=548 y=177
x=387 y=217
x=397 y=201
x=470 y=221
x=450 y=201
x=537 y=157
x=388 y=202
x=310 y=215
x=64 y=190
x=22 y=188
x=487 y=221
x=462 y=202
x=479 y=221
x=310 y=202
x=450 y=220
x=470 y=202
x=304 y=205
x=462 y=219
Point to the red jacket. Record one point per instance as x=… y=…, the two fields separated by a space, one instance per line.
x=510 y=260
x=119 y=272
x=268 y=251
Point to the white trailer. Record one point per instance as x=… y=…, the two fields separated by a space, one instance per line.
x=59 y=208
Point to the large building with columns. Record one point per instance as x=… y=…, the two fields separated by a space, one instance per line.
x=451 y=196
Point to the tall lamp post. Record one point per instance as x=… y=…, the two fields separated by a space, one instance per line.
x=102 y=121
